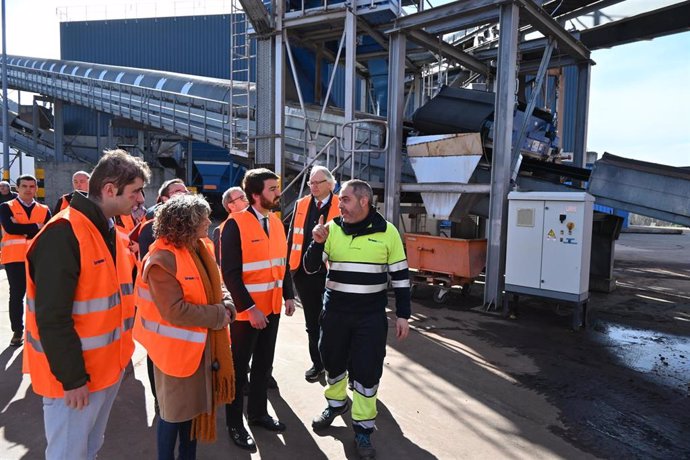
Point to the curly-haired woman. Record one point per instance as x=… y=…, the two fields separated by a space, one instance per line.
x=182 y=320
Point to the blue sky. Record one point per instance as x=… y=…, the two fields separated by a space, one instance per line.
x=639 y=96
x=640 y=101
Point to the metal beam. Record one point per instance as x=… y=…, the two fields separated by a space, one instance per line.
x=446 y=188
x=381 y=39
x=551 y=28
x=652 y=24
x=460 y=10
x=350 y=80
x=581 y=114
x=500 y=162
x=396 y=102
x=257 y=15
x=279 y=88
x=438 y=44
x=266 y=81
x=59 y=130
x=536 y=89
x=465 y=22
x=335 y=14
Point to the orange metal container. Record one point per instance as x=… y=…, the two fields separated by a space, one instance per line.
x=454 y=257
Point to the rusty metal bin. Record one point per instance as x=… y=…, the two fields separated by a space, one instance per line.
x=445 y=262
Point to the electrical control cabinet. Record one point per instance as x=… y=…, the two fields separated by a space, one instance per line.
x=549 y=244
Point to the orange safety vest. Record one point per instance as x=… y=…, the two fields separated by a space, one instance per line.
x=124 y=237
x=14 y=246
x=175 y=350
x=102 y=311
x=263 y=261
x=63 y=201
x=128 y=223
x=301 y=212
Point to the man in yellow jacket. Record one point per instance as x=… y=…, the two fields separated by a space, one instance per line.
x=80 y=311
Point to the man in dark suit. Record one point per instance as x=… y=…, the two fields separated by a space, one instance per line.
x=310 y=286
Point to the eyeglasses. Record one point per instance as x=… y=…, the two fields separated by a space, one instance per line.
x=312 y=183
x=241 y=197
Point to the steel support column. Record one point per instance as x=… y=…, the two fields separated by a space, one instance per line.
x=35 y=122
x=59 y=129
x=581 y=114
x=501 y=158
x=189 y=166
x=350 y=78
x=279 y=92
x=265 y=85
x=98 y=134
x=396 y=102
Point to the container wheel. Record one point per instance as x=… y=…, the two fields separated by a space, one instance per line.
x=466 y=289
x=413 y=291
x=441 y=295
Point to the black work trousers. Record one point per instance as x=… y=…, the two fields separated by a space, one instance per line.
x=259 y=346
x=16 y=277
x=357 y=337
x=310 y=290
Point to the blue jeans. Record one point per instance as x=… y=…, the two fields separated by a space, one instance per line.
x=167 y=434
x=77 y=434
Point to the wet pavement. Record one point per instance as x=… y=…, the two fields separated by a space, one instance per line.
x=466 y=384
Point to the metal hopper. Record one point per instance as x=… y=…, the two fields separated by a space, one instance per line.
x=443 y=159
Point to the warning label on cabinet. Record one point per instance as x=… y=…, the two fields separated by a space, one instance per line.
x=551 y=235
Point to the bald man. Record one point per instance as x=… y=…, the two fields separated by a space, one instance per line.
x=80 y=182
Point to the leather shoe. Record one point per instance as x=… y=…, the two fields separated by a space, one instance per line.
x=268 y=422
x=241 y=438
x=314 y=374
x=271 y=384
x=17 y=339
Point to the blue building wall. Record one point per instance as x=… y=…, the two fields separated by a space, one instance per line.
x=567 y=118
x=196 y=45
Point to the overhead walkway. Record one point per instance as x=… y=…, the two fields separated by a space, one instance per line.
x=203 y=109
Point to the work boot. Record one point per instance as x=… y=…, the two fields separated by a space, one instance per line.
x=314 y=374
x=327 y=416
x=365 y=449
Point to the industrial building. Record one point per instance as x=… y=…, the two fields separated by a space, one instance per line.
x=461 y=115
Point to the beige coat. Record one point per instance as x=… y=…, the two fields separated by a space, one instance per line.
x=182 y=399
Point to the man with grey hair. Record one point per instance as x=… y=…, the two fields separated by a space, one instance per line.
x=320 y=203
x=6 y=193
x=80 y=182
x=234 y=200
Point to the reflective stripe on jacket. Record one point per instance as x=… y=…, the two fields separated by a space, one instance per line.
x=102 y=311
x=14 y=246
x=263 y=261
x=175 y=350
x=299 y=219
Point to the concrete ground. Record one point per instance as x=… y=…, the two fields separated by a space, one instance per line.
x=466 y=383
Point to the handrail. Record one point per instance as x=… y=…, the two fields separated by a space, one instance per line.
x=308 y=165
